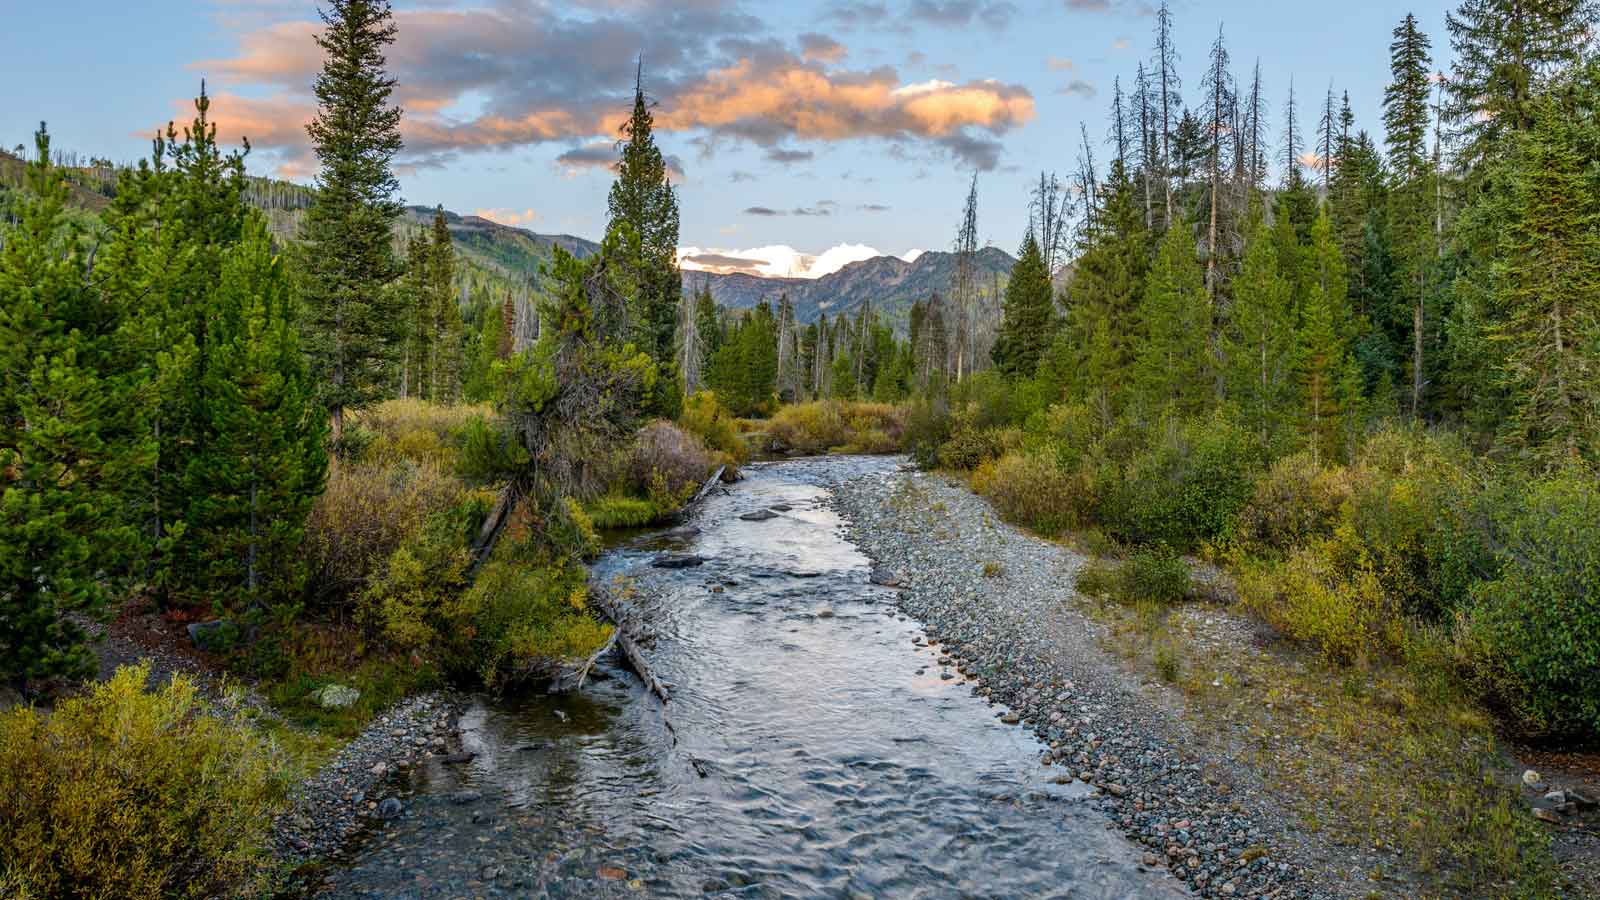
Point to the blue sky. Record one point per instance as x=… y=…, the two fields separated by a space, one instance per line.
x=849 y=122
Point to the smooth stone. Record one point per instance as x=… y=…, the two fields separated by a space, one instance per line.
x=456 y=759
x=336 y=696
x=462 y=798
x=677 y=561
x=390 y=808
x=1531 y=778
x=760 y=515
x=780 y=507
x=208 y=635
x=825 y=612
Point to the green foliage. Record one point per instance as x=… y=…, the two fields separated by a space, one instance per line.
x=1326 y=594
x=643 y=202
x=1259 y=342
x=1170 y=369
x=709 y=420
x=1534 y=630
x=613 y=511
x=1029 y=314
x=76 y=447
x=1154 y=573
x=1295 y=502
x=744 y=369
x=1187 y=488
x=129 y=793
x=833 y=425
x=1030 y=489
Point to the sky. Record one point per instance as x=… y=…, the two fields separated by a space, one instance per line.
x=802 y=134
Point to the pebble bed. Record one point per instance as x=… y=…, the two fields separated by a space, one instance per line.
x=999 y=603
x=346 y=796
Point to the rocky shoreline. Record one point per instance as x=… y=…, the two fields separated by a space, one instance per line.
x=348 y=795
x=999 y=603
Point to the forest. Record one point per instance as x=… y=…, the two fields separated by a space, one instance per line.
x=1354 y=366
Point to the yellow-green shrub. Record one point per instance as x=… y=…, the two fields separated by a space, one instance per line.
x=1295 y=502
x=526 y=617
x=666 y=463
x=1031 y=490
x=614 y=511
x=416 y=601
x=367 y=511
x=415 y=430
x=812 y=427
x=708 y=419
x=129 y=793
x=1328 y=595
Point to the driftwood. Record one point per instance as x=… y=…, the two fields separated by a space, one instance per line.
x=625 y=636
x=573 y=680
x=704 y=490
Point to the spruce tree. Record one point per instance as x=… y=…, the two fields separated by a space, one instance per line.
x=76 y=440
x=1405 y=116
x=353 y=332
x=444 y=314
x=415 y=301
x=1547 y=283
x=1329 y=379
x=1170 y=372
x=260 y=466
x=642 y=199
x=1107 y=282
x=1028 y=314
x=1260 y=345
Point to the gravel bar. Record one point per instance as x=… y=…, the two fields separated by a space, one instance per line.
x=1000 y=602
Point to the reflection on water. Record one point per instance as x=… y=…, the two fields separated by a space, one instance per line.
x=836 y=760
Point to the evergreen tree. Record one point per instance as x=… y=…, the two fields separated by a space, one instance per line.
x=1547 y=282
x=642 y=200
x=348 y=260
x=253 y=478
x=1260 y=345
x=76 y=442
x=1329 y=379
x=1405 y=116
x=443 y=314
x=416 y=301
x=1028 y=314
x=1107 y=282
x=1170 y=371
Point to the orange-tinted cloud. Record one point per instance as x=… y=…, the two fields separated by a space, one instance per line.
x=510 y=75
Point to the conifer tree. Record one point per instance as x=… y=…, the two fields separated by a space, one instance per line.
x=415 y=300
x=443 y=314
x=1329 y=380
x=1028 y=314
x=1405 y=116
x=1547 y=282
x=348 y=258
x=642 y=199
x=1170 y=371
x=1260 y=346
x=76 y=442
x=1219 y=115
x=1107 y=282
x=260 y=466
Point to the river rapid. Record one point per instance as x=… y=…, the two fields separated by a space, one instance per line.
x=813 y=747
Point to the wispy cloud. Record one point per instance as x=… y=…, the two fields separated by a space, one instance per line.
x=789 y=157
x=507 y=216
x=1079 y=88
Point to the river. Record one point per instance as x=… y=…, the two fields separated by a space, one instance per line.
x=814 y=749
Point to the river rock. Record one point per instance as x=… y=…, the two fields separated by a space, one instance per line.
x=677 y=561
x=780 y=507
x=457 y=759
x=825 y=612
x=462 y=798
x=390 y=808
x=1531 y=778
x=760 y=515
x=886 y=577
x=336 y=696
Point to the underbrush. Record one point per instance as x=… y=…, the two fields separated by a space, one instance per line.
x=836 y=426
x=125 y=792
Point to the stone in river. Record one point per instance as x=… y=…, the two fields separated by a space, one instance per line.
x=336 y=696
x=462 y=798
x=677 y=561
x=780 y=507
x=389 y=809
x=760 y=515
x=882 y=576
x=825 y=612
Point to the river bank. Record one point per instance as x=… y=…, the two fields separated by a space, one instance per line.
x=1231 y=767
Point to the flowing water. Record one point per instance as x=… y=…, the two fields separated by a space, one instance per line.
x=836 y=761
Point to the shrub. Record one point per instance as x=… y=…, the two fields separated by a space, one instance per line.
x=984 y=400
x=1153 y=573
x=1030 y=490
x=128 y=793
x=613 y=511
x=1187 y=488
x=1096 y=579
x=524 y=618
x=707 y=419
x=365 y=514
x=667 y=463
x=1328 y=595
x=416 y=600
x=927 y=427
x=415 y=430
x=1534 y=631
x=969 y=448
x=1295 y=502
x=809 y=427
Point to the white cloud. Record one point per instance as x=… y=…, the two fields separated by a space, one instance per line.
x=775 y=261
x=911 y=255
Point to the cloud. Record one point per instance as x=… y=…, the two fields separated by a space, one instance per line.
x=515 y=74
x=1078 y=87
x=789 y=157
x=737 y=175
x=854 y=13
x=1057 y=64
x=722 y=263
x=872 y=208
x=823 y=208
x=762 y=211
x=821 y=48
x=1121 y=43
x=603 y=155
x=960 y=13
x=507 y=216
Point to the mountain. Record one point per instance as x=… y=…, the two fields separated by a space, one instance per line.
x=891 y=284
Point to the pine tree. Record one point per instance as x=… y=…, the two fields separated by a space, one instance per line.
x=1547 y=282
x=1329 y=381
x=1506 y=51
x=643 y=200
x=77 y=445
x=348 y=257
x=1260 y=346
x=1219 y=115
x=1029 y=314
x=1405 y=116
x=417 y=326
x=1165 y=66
x=964 y=283
x=443 y=314
x=1170 y=371
x=1107 y=282
x=252 y=480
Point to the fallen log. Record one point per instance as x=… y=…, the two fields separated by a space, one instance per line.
x=624 y=634
x=704 y=489
x=573 y=681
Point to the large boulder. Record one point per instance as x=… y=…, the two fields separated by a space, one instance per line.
x=336 y=696
x=677 y=561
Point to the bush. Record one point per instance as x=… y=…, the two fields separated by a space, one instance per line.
x=1030 y=490
x=1186 y=489
x=128 y=793
x=1295 y=502
x=416 y=601
x=927 y=428
x=613 y=511
x=667 y=463
x=707 y=419
x=1153 y=573
x=525 y=619
x=984 y=400
x=812 y=427
x=1534 y=631
x=365 y=514
x=415 y=430
x=1328 y=595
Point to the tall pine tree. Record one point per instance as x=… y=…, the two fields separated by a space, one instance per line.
x=1029 y=318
